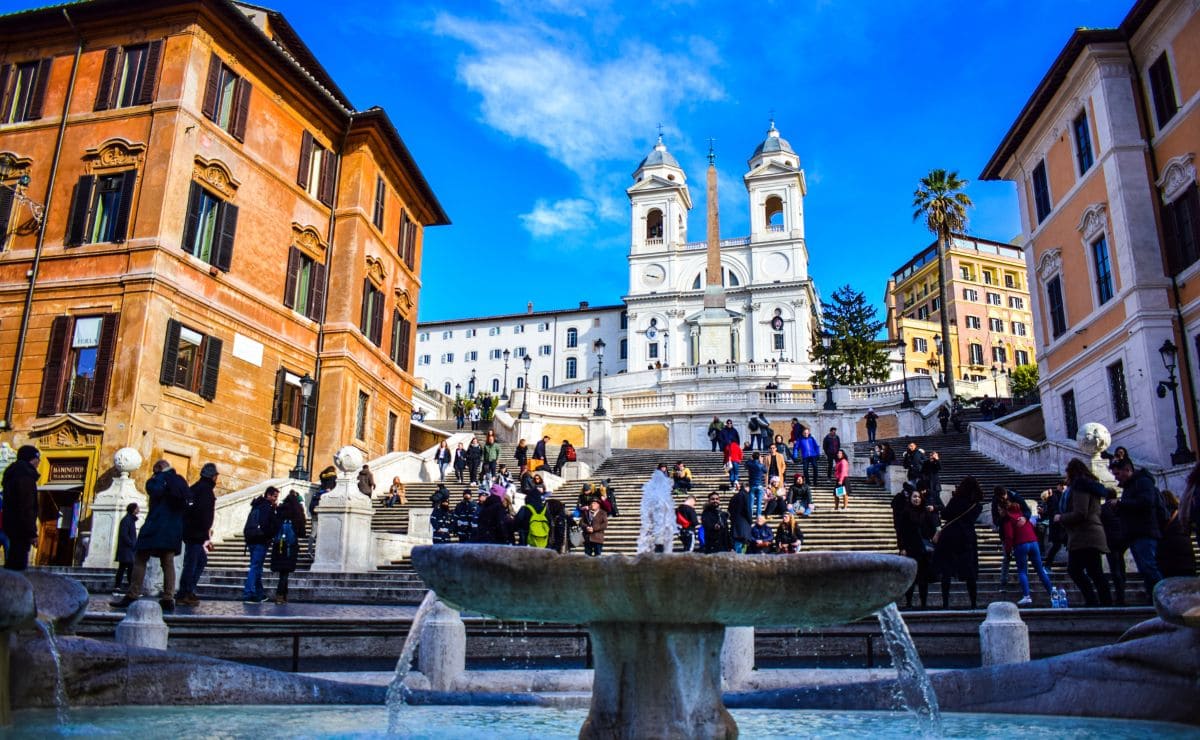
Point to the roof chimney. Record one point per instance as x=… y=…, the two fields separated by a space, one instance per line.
x=583 y=305
x=529 y=307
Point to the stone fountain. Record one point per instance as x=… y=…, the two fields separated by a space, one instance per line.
x=658 y=622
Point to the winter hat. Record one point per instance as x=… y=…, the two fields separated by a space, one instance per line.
x=208 y=471
x=28 y=453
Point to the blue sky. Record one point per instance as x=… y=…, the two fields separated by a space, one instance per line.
x=528 y=117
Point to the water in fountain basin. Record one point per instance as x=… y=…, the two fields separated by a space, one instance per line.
x=60 y=687
x=915 y=689
x=397 y=693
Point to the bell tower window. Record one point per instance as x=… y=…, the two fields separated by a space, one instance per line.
x=654 y=224
x=773 y=210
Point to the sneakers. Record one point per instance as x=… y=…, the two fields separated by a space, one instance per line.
x=1025 y=601
x=253 y=599
x=168 y=605
x=122 y=602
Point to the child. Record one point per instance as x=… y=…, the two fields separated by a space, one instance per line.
x=126 y=539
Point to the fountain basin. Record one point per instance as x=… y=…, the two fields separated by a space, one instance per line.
x=657 y=622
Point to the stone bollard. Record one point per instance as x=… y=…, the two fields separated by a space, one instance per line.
x=143 y=626
x=108 y=509
x=737 y=655
x=897 y=476
x=1003 y=636
x=443 y=647
x=344 y=540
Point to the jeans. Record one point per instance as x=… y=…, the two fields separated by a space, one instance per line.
x=442 y=470
x=687 y=539
x=871 y=432
x=1145 y=554
x=733 y=472
x=802 y=509
x=809 y=466
x=716 y=446
x=1024 y=553
x=1116 y=571
x=764 y=442
x=194 y=559
x=593 y=549
x=756 y=499
x=253 y=587
x=489 y=467
x=740 y=546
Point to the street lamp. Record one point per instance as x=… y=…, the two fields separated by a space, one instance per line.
x=906 y=403
x=1182 y=455
x=525 y=392
x=458 y=391
x=598 y=346
x=471 y=384
x=995 y=381
x=504 y=390
x=666 y=345
x=307 y=386
x=937 y=348
x=827 y=343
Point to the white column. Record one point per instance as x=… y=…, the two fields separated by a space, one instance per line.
x=108 y=508
x=344 y=537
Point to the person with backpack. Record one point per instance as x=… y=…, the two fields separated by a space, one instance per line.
x=533 y=523
x=566 y=453
x=714 y=434
x=197 y=533
x=289 y=525
x=161 y=536
x=441 y=521
x=563 y=529
x=688 y=521
x=259 y=533
x=1143 y=517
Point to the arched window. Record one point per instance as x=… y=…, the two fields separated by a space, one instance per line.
x=774 y=213
x=446 y=387
x=572 y=368
x=728 y=279
x=572 y=338
x=520 y=382
x=495 y=385
x=545 y=382
x=654 y=224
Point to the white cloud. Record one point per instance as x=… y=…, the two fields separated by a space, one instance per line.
x=548 y=219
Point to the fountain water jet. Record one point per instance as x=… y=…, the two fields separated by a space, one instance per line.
x=397 y=693
x=60 y=688
x=916 y=691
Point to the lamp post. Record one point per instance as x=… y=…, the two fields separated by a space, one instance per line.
x=906 y=403
x=504 y=390
x=937 y=349
x=827 y=343
x=471 y=384
x=1182 y=455
x=666 y=345
x=995 y=381
x=525 y=392
x=598 y=347
x=458 y=391
x=307 y=386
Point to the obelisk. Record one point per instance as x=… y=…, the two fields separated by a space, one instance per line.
x=715 y=323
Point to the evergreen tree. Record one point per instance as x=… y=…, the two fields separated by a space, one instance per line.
x=854 y=356
x=1024 y=380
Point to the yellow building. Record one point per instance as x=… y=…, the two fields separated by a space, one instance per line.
x=988 y=299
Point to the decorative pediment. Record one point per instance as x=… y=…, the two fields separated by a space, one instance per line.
x=375 y=271
x=1050 y=264
x=1092 y=222
x=216 y=174
x=18 y=165
x=1177 y=175
x=114 y=154
x=67 y=430
x=307 y=238
x=404 y=301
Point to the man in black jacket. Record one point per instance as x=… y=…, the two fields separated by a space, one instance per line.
x=20 y=506
x=197 y=531
x=259 y=531
x=161 y=535
x=1141 y=510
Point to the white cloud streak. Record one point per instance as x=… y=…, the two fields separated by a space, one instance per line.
x=555 y=218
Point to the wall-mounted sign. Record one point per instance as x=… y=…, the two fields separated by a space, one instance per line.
x=67 y=469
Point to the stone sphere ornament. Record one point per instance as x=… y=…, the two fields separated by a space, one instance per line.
x=1094 y=439
x=349 y=459
x=126 y=460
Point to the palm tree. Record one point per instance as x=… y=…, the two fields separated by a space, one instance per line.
x=940 y=200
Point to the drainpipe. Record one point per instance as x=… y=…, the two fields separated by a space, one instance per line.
x=41 y=238
x=330 y=230
x=1184 y=354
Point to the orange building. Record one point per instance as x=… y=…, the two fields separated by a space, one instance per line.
x=1103 y=158
x=194 y=217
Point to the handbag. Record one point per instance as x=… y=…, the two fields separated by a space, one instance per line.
x=840 y=491
x=928 y=545
x=575 y=537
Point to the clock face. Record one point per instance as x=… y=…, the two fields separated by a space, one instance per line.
x=654 y=275
x=777 y=323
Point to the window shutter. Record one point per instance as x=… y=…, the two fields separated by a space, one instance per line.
x=380 y=200
x=41 y=78
x=81 y=206
x=150 y=73
x=1171 y=239
x=5 y=70
x=104 y=92
x=329 y=166
x=191 y=222
x=394 y=350
x=104 y=363
x=405 y=344
x=377 y=321
x=312 y=410
x=6 y=202
x=277 y=406
x=226 y=228
x=316 y=293
x=241 y=109
x=56 y=360
x=366 y=301
x=211 y=85
x=403 y=237
x=170 y=360
x=121 y=225
x=306 y=148
x=293 y=274
x=212 y=367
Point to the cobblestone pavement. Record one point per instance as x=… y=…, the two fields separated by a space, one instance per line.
x=223 y=610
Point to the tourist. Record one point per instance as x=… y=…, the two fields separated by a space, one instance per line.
x=1114 y=537
x=682 y=477
x=441 y=521
x=657 y=527
x=753 y=429
x=20 y=506
x=584 y=499
x=688 y=521
x=494 y=525
x=999 y=510
x=872 y=424
x=566 y=454
x=1056 y=535
x=931 y=471
x=1189 y=509
x=956 y=546
x=788 y=537
x=714 y=526
x=810 y=452
x=396 y=494
x=831 y=444
x=783 y=448
x=328 y=481
x=561 y=525
x=161 y=535
x=794 y=439
x=800 y=497
x=1141 y=509
x=776 y=462
x=1175 y=556
x=916 y=522
x=521 y=454
x=987 y=406
x=1080 y=516
x=729 y=435
x=714 y=434
x=875 y=466
x=481 y=498
x=366 y=481
x=740 y=518
x=126 y=539
x=733 y=458
x=460 y=415
x=539 y=453
x=442 y=458
x=841 y=484
x=914 y=461
x=491 y=453
x=474 y=455
x=460 y=462
x=464 y=513
x=474 y=415
x=1018 y=536
x=593 y=522
x=765 y=433
x=957 y=418
x=532 y=523
x=756 y=472
x=259 y=533
x=762 y=539
x=197 y=533
x=775 y=500
x=290 y=527
x=607 y=493
x=943 y=416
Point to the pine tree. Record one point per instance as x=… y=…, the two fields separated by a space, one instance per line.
x=854 y=355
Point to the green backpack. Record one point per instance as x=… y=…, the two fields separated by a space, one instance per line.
x=539 y=527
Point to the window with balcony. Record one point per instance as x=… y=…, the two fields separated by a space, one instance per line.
x=1011 y=281
x=78 y=366
x=226 y=98
x=988 y=277
x=1041 y=191
x=128 y=75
